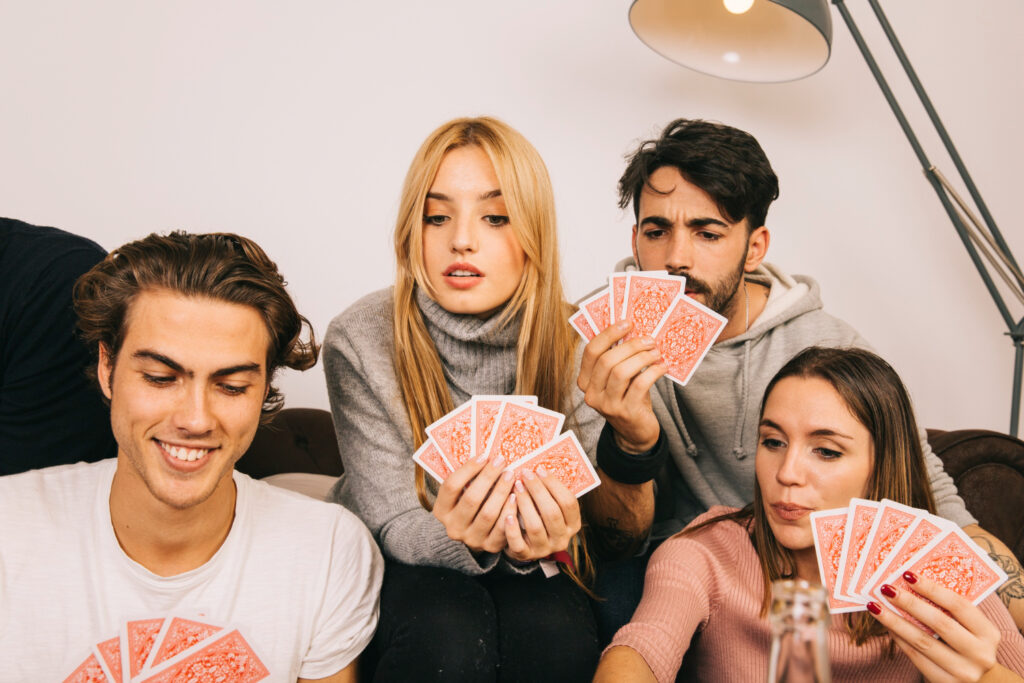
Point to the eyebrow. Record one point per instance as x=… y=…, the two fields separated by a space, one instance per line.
x=441 y=197
x=817 y=432
x=663 y=222
x=177 y=367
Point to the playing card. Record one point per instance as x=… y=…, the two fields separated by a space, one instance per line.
x=109 y=654
x=648 y=297
x=177 y=635
x=922 y=530
x=617 y=288
x=952 y=559
x=88 y=671
x=429 y=458
x=890 y=524
x=685 y=335
x=223 y=657
x=137 y=639
x=858 y=523
x=596 y=309
x=564 y=458
x=453 y=435
x=827 y=528
x=579 y=322
x=521 y=429
x=485 y=410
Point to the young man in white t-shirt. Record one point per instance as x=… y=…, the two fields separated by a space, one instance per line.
x=166 y=563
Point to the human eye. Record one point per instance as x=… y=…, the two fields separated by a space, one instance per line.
x=654 y=233
x=496 y=220
x=158 y=380
x=709 y=236
x=435 y=219
x=234 y=389
x=772 y=443
x=827 y=453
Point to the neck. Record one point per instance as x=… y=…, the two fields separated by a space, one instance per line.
x=165 y=540
x=807 y=565
x=745 y=306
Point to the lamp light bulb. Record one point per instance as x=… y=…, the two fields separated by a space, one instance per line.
x=738 y=6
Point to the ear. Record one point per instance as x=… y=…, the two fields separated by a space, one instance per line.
x=757 y=247
x=104 y=370
x=636 y=256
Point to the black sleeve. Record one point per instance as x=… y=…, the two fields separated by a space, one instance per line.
x=629 y=468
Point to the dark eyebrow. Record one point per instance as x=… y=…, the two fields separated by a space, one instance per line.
x=765 y=422
x=704 y=221
x=438 y=196
x=491 y=195
x=658 y=221
x=177 y=367
x=817 y=432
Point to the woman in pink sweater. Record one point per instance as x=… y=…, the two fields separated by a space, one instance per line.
x=835 y=424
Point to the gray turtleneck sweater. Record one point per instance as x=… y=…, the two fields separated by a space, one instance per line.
x=374 y=433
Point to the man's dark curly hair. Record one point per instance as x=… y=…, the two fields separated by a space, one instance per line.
x=219 y=266
x=725 y=162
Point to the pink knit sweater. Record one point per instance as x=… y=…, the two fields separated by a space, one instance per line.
x=702 y=597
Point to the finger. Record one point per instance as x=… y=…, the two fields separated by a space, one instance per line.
x=622 y=376
x=930 y=671
x=564 y=498
x=968 y=615
x=941 y=654
x=536 y=533
x=597 y=347
x=640 y=387
x=517 y=545
x=489 y=514
x=947 y=628
x=450 y=491
x=610 y=360
x=555 y=528
x=496 y=539
x=476 y=492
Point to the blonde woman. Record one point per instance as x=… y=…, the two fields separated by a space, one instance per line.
x=477 y=308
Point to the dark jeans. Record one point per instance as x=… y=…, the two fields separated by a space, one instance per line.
x=441 y=625
x=620 y=585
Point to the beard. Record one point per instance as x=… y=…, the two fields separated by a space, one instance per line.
x=719 y=295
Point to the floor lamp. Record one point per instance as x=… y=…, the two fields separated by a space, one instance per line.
x=782 y=40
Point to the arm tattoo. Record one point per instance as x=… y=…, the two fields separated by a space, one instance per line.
x=1013 y=589
x=612 y=542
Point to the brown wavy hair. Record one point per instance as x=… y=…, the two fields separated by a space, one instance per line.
x=876 y=396
x=220 y=266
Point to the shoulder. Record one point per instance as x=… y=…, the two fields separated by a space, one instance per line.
x=45 y=250
x=365 y=328
x=52 y=495
x=286 y=509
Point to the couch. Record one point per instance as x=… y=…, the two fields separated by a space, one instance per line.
x=298 y=449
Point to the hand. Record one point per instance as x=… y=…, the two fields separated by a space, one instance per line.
x=473 y=500
x=550 y=514
x=616 y=381
x=967 y=649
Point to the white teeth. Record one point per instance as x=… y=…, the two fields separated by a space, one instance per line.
x=187 y=454
x=462 y=273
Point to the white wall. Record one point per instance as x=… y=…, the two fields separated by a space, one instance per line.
x=293 y=123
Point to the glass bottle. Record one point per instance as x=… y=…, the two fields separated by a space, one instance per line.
x=799 y=620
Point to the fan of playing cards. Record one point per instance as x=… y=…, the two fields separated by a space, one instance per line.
x=168 y=649
x=656 y=303
x=515 y=428
x=868 y=544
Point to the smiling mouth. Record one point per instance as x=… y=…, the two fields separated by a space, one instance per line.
x=184 y=454
x=461 y=273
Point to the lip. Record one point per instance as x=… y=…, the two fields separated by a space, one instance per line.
x=790 y=512
x=184 y=466
x=462 y=282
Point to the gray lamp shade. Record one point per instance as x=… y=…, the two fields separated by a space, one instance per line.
x=773 y=41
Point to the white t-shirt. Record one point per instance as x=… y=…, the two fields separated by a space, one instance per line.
x=298 y=578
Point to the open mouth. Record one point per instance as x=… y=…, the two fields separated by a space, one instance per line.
x=462 y=270
x=184 y=453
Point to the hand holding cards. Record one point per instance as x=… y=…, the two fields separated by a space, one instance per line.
x=657 y=306
x=513 y=428
x=868 y=544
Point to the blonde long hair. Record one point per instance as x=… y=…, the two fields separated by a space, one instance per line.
x=546 y=344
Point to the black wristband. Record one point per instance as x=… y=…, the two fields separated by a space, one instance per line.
x=629 y=468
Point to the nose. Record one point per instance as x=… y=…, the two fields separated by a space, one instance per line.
x=463 y=235
x=194 y=414
x=680 y=252
x=790 y=472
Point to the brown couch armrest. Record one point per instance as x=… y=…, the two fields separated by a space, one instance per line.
x=988 y=469
x=295 y=440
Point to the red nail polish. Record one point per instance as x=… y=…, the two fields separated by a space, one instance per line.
x=910 y=577
x=874 y=608
x=888 y=591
